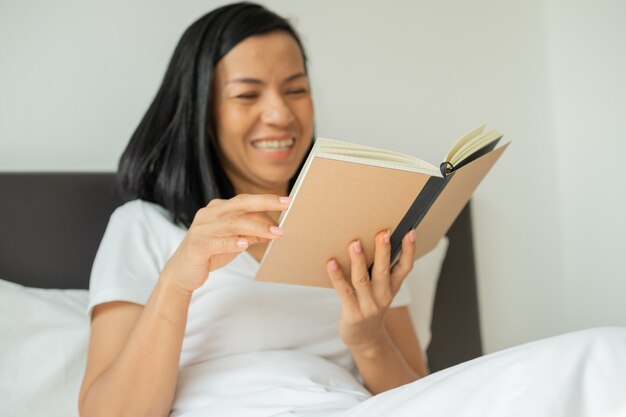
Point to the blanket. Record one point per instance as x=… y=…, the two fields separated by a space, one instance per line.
x=577 y=374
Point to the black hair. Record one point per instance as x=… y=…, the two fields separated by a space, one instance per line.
x=172 y=158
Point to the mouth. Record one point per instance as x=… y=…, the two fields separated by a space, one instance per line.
x=275 y=147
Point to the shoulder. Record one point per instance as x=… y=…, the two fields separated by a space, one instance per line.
x=137 y=242
x=142 y=214
x=142 y=226
x=141 y=210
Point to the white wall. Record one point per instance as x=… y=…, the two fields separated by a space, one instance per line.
x=587 y=44
x=75 y=78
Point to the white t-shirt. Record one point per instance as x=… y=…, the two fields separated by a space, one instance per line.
x=243 y=337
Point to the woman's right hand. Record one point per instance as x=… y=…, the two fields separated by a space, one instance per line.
x=219 y=232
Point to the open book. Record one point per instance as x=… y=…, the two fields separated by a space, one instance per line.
x=347 y=191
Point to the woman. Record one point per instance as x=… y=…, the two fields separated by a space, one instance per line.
x=180 y=327
x=205 y=176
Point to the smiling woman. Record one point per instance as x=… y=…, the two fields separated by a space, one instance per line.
x=264 y=113
x=179 y=325
x=220 y=75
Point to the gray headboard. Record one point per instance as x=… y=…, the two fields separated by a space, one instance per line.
x=51 y=225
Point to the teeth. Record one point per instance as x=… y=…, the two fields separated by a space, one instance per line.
x=273 y=145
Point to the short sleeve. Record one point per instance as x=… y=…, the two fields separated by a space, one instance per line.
x=128 y=261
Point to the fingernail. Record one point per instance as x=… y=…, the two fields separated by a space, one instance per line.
x=242 y=243
x=357 y=247
x=332 y=264
x=276 y=230
x=387 y=236
x=284 y=200
x=412 y=235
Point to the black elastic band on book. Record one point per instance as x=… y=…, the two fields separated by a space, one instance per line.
x=416 y=213
x=446 y=168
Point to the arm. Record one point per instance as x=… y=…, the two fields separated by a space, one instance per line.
x=395 y=359
x=134 y=351
x=382 y=341
x=400 y=328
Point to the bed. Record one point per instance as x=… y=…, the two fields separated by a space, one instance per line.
x=51 y=226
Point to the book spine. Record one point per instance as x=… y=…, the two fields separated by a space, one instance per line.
x=425 y=199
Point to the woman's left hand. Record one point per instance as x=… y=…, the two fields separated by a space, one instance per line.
x=364 y=301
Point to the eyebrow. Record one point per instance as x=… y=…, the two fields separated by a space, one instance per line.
x=249 y=80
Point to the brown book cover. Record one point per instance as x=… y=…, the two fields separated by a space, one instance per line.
x=339 y=199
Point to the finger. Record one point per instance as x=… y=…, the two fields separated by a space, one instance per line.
x=243 y=203
x=381 y=268
x=405 y=263
x=361 y=279
x=253 y=240
x=206 y=248
x=262 y=217
x=345 y=290
x=249 y=218
x=238 y=226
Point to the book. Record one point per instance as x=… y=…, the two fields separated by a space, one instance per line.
x=346 y=191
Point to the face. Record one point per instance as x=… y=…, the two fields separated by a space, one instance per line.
x=264 y=112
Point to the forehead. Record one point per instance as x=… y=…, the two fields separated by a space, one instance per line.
x=275 y=54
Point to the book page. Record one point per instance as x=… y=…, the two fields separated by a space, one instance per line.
x=462 y=141
x=451 y=201
x=473 y=145
x=351 y=152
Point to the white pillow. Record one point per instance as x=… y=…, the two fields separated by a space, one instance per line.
x=422 y=282
x=44 y=335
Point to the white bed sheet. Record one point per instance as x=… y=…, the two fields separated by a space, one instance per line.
x=43 y=348
x=577 y=374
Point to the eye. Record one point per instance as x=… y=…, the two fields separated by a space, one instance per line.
x=297 y=91
x=247 y=96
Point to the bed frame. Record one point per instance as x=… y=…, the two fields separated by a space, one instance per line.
x=51 y=225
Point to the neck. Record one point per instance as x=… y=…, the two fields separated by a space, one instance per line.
x=257 y=189
x=243 y=186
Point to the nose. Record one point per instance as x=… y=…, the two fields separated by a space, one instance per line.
x=277 y=112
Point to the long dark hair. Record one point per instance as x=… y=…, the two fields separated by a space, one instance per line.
x=171 y=159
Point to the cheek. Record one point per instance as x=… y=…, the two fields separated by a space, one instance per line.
x=305 y=113
x=232 y=125
x=230 y=120
x=230 y=131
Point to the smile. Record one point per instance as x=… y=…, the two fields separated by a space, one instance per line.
x=274 y=145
